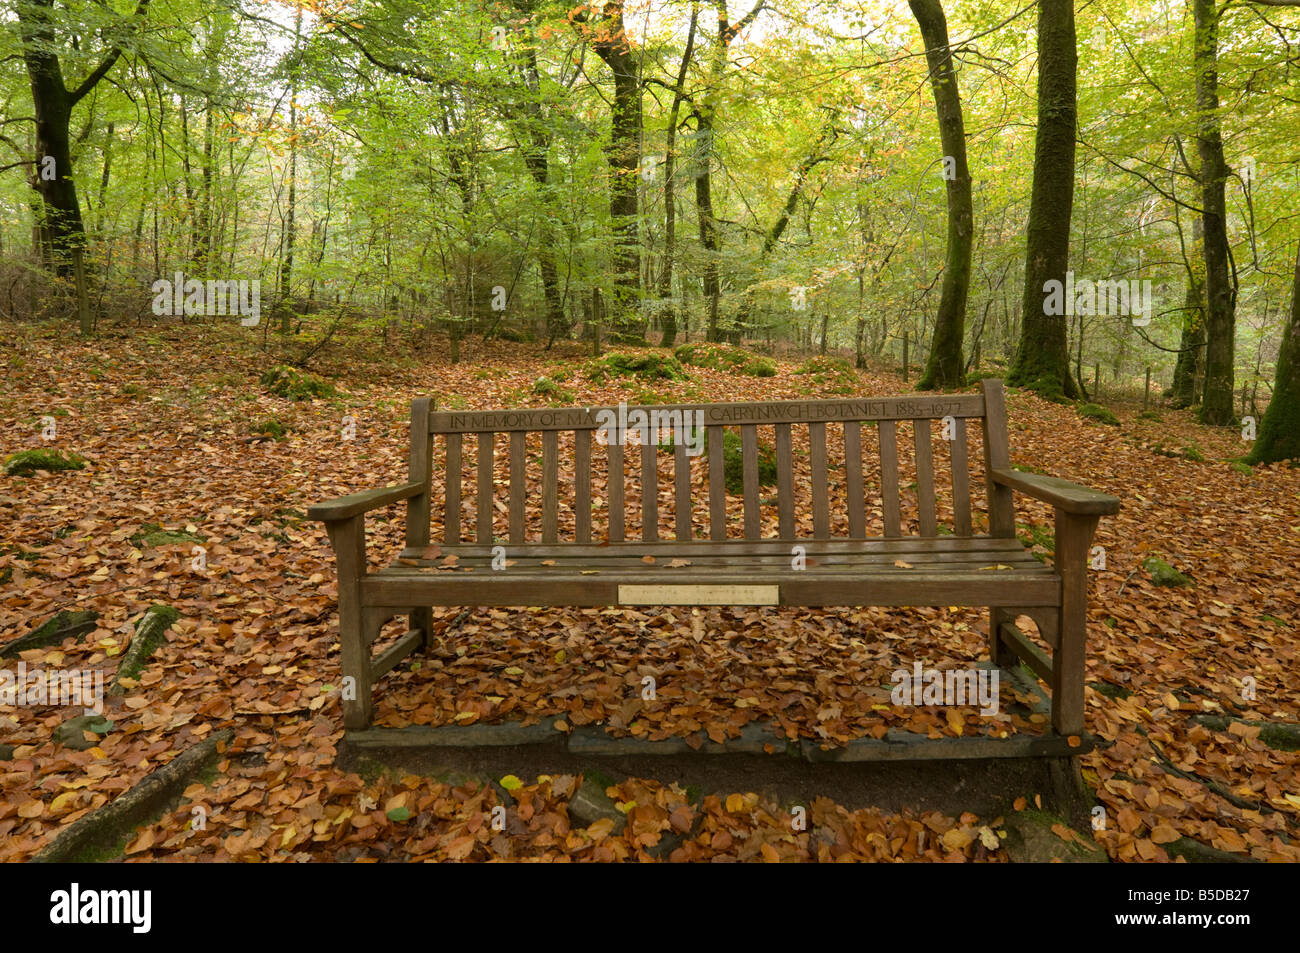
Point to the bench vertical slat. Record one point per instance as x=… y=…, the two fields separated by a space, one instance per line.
x=421 y=471
x=785 y=481
x=924 y=477
x=518 y=485
x=717 y=486
x=960 y=479
x=889 y=478
x=649 y=486
x=550 y=485
x=682 y=486
x=582 y=485
x=485 y=464
x=853 y=479
x=451 y=530
x=1002 y=517
x=615 y=489
x=821 y=510
x=749 y=459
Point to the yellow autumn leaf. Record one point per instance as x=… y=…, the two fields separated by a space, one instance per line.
x=735 y=803
x=511 y=783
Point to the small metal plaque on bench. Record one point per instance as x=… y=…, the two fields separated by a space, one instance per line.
x=679 y=595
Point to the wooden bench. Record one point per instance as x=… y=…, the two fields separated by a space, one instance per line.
x=863 y=536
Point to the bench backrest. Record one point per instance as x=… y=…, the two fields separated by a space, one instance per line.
x=475 y=464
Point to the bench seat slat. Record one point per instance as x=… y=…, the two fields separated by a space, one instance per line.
x=851 y=587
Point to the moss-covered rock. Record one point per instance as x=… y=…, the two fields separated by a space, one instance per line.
x=293 y=384
x=646 y=367
x=271 y=427
x=1163 y=574
x=832 y=374
x=549 y=388
x=27 y=462
x=1098 y=413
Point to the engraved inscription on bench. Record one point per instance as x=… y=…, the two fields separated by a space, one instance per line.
x=575 y=418
x=680 y=595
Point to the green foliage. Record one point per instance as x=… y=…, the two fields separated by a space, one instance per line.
x=733 y=463
x=1148 y=415
x=1193 y=452
x=1098 y=413
x=722 y=357
x=27 y=462
x=647 y=367
x=759 y=367
x=293 y=384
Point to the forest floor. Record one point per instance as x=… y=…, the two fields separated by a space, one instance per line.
x=167 y=419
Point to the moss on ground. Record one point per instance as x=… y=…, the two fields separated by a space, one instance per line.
x=26 y=462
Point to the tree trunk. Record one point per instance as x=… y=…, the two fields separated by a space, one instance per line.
x=63 y=231
x=1279 y=432
x=944 y=367
x=1192 y=342
x=670 y=197
x=286 y=263
x=1220 y=285
x=1042 y=361
x=610 y=41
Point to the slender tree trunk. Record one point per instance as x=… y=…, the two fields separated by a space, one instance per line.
x=670 y=195
x=1191 y=346
x=945 y=367
x=103 y=178
x=610 y=41
x=1279 y=432
x=1220 y=284
x=1042 y=361
x=286 y=263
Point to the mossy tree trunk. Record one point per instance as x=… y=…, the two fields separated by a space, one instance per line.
x=1279 y=432
x=945 y=367
x=1220 y=284
x=1191 y=347
x=1042 y=361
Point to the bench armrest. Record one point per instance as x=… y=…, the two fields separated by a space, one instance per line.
x=1068 y=496
x=354 y=504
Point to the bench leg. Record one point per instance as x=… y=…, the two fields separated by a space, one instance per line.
x=348 y=538
x=999 y=654
x=1073 y=538
x=421 y=619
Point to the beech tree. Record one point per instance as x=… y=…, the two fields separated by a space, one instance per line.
x=945 y=367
